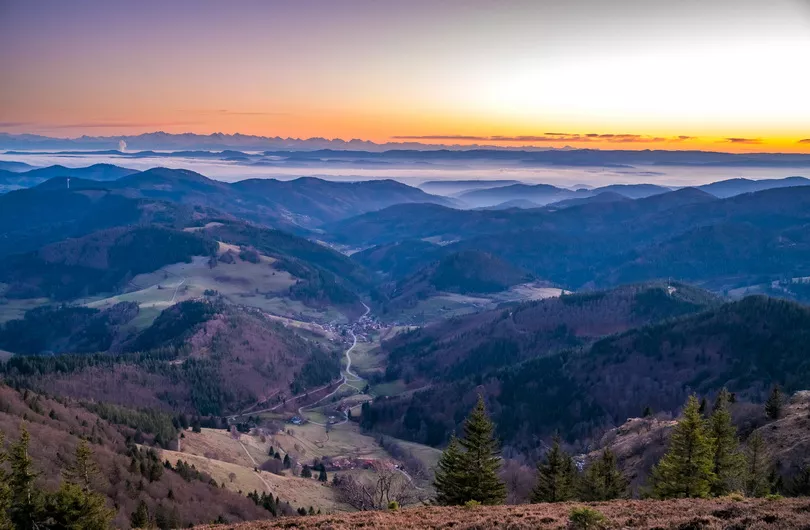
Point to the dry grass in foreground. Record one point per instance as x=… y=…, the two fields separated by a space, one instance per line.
x=676 y=514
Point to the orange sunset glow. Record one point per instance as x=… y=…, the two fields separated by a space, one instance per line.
x=724 y=75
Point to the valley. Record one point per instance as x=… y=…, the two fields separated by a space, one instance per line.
x=280 y=362
x=465 y=265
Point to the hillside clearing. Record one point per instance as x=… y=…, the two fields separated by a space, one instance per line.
x=295 y=490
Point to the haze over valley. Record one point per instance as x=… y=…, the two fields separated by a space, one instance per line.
x=344 y=265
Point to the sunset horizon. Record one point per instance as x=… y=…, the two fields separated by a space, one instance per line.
x=715 y=76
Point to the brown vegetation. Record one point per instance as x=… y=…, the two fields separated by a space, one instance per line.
x=56 y=428
x=678 y=514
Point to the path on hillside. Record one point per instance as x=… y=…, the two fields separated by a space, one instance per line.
x=256 y=467
x=174 y=296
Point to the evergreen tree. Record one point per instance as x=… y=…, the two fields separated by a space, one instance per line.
x=773 y=407
x=322 y=475
x=686 y=468
x=162 y=518
x=729 y=462
x=468 y=468
x=602 y=480
x=306 y=472
x=140 y=517
x=449 y=480
x=648 y=412
x=555 y=476
x=84 y=471
x=5 y=490
x=287 y=461
x=481 y=461
x=26 y=499
x=73 y=507
x=757 y=483
x=799 y=484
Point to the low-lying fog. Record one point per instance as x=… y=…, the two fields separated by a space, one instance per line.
x=231 y=171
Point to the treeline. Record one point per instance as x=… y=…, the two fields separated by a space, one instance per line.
x=704 y=458
x=163 y=426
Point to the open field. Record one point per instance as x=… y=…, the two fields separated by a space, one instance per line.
x=528 y=291
x=257 y=285
x=390 y=388
x=447 y=305
x=11 y=309
x=309 y=441
x=429 y=456
x=220 y=445
x=233 y=461
x=677 y=514
x=295 y=490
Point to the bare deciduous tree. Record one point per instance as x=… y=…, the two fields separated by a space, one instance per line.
x=388 y=485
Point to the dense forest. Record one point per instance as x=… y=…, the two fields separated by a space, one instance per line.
x=581 y=391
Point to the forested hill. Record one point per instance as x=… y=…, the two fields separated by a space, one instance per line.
x=470 y=345
x=100 y=262
x=127 y=475
x=747 y=346
x=686 y=234
x=296 y=205
x=198 y=357
x=468 y=272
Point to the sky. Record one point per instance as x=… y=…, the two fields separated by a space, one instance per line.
x=725 y=75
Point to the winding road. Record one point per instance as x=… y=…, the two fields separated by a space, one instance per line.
x=344 y=379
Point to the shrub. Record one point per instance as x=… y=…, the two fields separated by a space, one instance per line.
x=472 y=504
x=584 y=518
x=393 y=506
x=774 y=497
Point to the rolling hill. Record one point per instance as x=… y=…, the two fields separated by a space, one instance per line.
x=199 y=357
x=543 y=194
x=100 y=262
x=686 y=234
x=400 y=259
x=732 y=187
x=300 y=204
x=466 y=272
x=746 y=346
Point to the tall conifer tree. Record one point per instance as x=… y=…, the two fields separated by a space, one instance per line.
x=481 y=459
x=757 y=483
x=555 y=476
x=468 y=469
x=686 y=468
x=26 y=498
x=728 y=462
x=449 y=481
x=602 y=480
